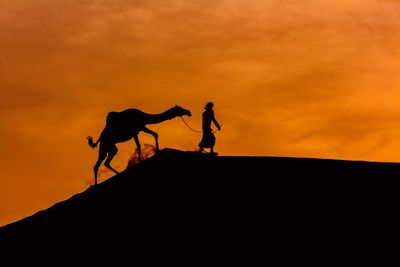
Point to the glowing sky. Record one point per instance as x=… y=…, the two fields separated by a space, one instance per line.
x=310 y=78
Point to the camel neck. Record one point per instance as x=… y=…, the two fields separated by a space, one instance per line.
x=158 y=118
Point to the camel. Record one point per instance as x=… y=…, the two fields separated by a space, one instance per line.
x=125 y=125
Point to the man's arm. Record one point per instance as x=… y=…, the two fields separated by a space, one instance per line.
x=215 y=121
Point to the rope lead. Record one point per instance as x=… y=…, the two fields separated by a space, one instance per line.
x=190 y=127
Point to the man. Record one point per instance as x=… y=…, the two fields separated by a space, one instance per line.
x=208 y=139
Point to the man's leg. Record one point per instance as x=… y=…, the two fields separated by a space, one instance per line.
x=201 y=144
x=212 y=144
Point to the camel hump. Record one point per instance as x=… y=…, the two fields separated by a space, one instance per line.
x=111 y=116
x=131 y=113
x=118 y=117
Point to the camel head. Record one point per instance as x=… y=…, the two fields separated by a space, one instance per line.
x=179 y=111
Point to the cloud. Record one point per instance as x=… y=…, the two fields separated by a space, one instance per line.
x=291 y=78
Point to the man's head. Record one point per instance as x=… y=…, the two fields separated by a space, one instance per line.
x=209 y=105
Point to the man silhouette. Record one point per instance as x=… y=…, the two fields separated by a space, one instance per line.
x=208 y=139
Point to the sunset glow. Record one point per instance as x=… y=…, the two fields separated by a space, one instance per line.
x=312 y=78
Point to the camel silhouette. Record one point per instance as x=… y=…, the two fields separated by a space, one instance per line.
x=125 y=125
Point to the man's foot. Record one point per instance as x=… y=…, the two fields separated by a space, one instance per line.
x=212 y=153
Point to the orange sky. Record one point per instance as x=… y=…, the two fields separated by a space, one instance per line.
x=312 y=78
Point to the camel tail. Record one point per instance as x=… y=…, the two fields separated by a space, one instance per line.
x=91 y=143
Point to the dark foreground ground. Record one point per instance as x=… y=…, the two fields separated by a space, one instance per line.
x=183 y=205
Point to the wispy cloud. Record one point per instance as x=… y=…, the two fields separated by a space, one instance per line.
x=296 y=78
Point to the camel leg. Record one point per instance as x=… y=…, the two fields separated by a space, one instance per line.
x=136 y=138
x=147 y=130
x=111 y=153
x=102 y=156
